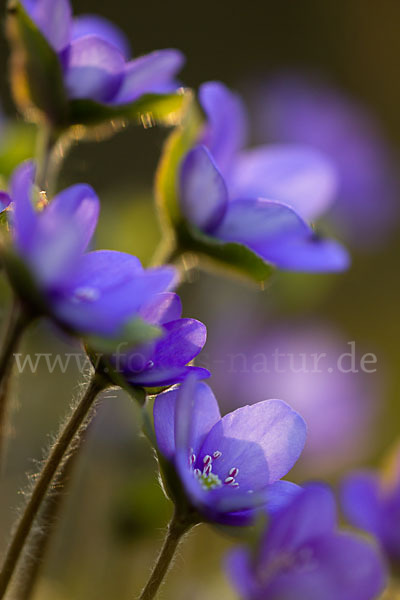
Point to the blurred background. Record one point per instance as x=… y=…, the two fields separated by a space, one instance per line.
x=322 y=73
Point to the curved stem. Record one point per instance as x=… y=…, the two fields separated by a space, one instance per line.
x=35 y=554
x=45 y=477
x=176 y=530
x=18 y=321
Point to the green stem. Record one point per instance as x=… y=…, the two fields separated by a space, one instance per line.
x=37 y=549
x=45 y=477
x=18 y=321
x=176 y=530
x=167 y=252
x=46 y=141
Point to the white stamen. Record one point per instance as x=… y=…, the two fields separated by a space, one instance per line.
x=234 y=472
x=197 y=472
x=217 y=454
x=229 y=480
x=207 y=459
x=192 y=459
x=207 y=469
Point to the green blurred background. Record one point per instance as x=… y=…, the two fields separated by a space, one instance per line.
x=113 y=518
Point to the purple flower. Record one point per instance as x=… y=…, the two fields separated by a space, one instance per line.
x=94 y=56
x=371 y=501
x=96 y=293
x=296 y=110
x=228 y=466
x=164 y=362
x=256 y=197
x=303 y=556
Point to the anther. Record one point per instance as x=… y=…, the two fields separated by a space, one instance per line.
x=234 y=472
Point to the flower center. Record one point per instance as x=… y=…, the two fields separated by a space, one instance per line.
x=203 y=472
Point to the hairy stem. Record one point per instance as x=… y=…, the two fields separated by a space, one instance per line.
x=45 y=477
x=18 y=321
x=176 y=530
x=37 y=549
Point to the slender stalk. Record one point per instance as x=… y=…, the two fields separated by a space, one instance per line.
x=45 y=477
x=37 y=549
x=18 y=321
x=166 y=252
x=176 y=530
x=44 y=148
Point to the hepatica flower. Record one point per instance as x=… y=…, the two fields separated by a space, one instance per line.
x=303 y=556
x=258 y=198
x=165 y=361
x=294 y=109
x=94 y=56
x=95 y=293
x=371 y=501
x=228 y=466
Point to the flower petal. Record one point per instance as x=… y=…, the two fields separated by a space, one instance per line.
x=151 y=73
x=100 y=27
x=106 y=311
x=276 y=233
x=226 y=132
x=341 y=566
x=200 y=410
x=203 y=193
x=311 y=514
x=94 y=69
x=62 y=233
x=163 y=376
x=258 y=223
x=162 y=309
x=361 y=501
x=54 y=19
x=262 y=441
x=164 y=422
x=310 y=253
x=24 y=218
x=298 y=176
x=5 y=201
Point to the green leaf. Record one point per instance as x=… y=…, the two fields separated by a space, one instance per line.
x=135 y=333
x=148 y=110
x=36 y=73
x=179 y=142
x=236 y=258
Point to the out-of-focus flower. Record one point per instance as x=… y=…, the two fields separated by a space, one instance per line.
x=315 y=370
x=297 y=110
x=228 y=466
x=94 y=56
x=97 y=293
x=303 y=556
x=255 y=198
x=371 y=501
x=165 y=362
